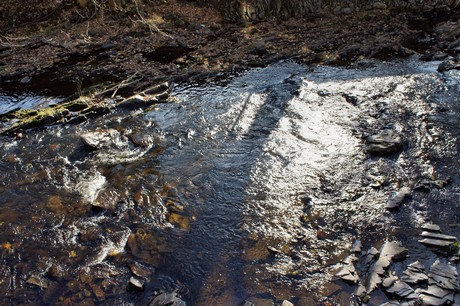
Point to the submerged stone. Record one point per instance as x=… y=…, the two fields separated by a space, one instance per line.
x=139 y=270
x=98 y=139
x=167 y=299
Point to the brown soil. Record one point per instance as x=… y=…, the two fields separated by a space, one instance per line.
x=175 y=38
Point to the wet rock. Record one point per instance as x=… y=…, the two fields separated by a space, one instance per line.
x=391 y=303
x=356 y=248
x=390 y=251
x=105 y=200
x=347 y=271
x=139 y=270
x=286 y=303
x=136 y=101
x=403 y=290
x=438 y=236
x=273 y=250
x=247 y=303
x=431 y=227
x=258 y=48
x=436 y=243
x=383 y=144
x=141 y=139
x=379 y=6
x=439 y=56
x=38 y=281
x=428 y=184
x=136 y=284
x=428 y=299
x=415 y=274
x=167 y=299
x=178 y=220
x=448 y=64
x=26 y=80
x=360 y=291
x=389 y=281
x=160 y=88
x=98 y=139
x=398 y=198
x=444 y=276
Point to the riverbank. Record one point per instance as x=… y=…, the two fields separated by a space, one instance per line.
x=187 y=41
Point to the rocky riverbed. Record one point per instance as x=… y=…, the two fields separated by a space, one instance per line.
x=177 y=158
x=309 y=185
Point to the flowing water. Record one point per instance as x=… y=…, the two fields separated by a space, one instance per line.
x=248 y=190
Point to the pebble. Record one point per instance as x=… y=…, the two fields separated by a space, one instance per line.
x=136 y=283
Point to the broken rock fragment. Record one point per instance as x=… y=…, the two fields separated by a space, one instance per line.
x=383 y=144
x=398 y=198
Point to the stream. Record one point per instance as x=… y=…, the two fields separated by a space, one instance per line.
x=249 y=190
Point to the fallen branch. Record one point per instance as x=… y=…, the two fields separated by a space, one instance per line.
x=125 y=83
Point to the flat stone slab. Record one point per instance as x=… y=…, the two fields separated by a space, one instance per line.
x=402 y=289
x=438 y=236
x=431 y=227
x=415 y=274
x=436 y=243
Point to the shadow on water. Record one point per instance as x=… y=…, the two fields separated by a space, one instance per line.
x=210 y=253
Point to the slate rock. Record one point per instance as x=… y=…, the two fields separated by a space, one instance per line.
x=438 y=236
x=436 y=243
x=415 y=273
x=435 y=295
x=431 y=227
x=383 y=144
x=444 y=276
x=402 y=290
x=347 y=272
x=398 y=198
x=393 y=251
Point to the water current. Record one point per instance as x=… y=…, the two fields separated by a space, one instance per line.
x=252 y=189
